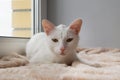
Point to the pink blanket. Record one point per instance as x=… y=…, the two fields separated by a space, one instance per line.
x=107 y=61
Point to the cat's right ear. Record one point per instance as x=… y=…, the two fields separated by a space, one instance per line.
x=47 y=26
x=76 y=26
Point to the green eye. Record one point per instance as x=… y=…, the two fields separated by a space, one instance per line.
x=55 y=40
x=69 y=39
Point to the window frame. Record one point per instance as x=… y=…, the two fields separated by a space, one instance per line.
x=39 y=12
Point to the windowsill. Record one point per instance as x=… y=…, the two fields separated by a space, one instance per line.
x=13 y=44
x=14 y=37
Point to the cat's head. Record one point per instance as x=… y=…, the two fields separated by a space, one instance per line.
x=62 y=40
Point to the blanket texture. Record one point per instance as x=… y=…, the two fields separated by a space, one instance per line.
x=107 y=68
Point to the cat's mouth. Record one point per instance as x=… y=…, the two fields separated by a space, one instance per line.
x=62 y=54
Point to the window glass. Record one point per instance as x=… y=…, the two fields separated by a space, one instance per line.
x=15 y=18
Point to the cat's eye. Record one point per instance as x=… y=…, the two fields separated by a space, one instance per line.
x=55 y=40
x=69 y=39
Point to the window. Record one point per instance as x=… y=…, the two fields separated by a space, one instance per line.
x=5 y=18
x=15 y=18
x=19 y=19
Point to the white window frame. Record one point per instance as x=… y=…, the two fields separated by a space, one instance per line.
x=39 y=12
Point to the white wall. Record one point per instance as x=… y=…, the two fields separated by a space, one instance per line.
x=101 y=20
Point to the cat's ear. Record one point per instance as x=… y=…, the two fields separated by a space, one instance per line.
x=47 y=26
x=76 y=26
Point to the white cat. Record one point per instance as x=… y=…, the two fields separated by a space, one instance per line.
x=57 y=44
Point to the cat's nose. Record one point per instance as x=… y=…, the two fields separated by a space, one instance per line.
x=62 y=49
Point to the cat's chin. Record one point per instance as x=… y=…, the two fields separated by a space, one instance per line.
x=61 y=54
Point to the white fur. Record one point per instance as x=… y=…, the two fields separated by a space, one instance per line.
x=57 y=44
x=41 y=49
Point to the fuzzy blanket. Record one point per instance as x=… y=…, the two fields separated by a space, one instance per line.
x=107 y=67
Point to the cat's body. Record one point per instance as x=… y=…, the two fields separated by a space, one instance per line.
x=43 y=54
x=57 y=44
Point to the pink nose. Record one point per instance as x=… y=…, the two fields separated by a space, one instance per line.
x=62 y=49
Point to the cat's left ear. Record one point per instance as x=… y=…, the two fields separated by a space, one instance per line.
x=76 y=26
x=47 y=26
